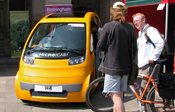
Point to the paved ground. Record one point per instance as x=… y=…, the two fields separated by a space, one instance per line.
x=9 y=102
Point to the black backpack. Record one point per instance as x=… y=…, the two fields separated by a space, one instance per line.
x=164 y=53
x=166 y=85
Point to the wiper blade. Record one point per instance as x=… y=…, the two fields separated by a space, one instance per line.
x=68 y=49
x=54 y=48
x=30 y=51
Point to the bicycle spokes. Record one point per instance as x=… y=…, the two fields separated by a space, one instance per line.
x=96 y=99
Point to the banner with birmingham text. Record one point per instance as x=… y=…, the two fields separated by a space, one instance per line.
x=57 y=8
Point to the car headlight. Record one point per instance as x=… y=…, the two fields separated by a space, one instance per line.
x=76 y=60
x=29 y=59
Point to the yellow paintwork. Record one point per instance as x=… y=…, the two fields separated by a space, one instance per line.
x=57 y=71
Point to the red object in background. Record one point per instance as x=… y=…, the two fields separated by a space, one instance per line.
x=174 y=62
x=163 y=1
x=154 y=18
x=168 y=1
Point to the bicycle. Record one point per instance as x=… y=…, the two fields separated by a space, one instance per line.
x=100 y=102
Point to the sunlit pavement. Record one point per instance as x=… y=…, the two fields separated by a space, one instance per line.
x=10 y=103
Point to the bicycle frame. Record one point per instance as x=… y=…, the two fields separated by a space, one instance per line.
x=150 y=80
x=148 y=101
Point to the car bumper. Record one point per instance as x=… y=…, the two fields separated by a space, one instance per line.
x=74 y=88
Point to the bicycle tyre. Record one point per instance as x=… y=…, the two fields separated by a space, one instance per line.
x=154 y=107
x=97 y=101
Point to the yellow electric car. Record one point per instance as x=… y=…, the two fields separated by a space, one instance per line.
x=57 y=62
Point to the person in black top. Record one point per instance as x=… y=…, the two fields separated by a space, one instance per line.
x=117 y=59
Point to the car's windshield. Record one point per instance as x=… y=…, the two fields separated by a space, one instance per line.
x=52 y=36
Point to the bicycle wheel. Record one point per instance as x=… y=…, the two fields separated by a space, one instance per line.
x=97 y=101
x=153 y=96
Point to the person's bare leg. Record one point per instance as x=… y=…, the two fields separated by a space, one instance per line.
x=118 y=102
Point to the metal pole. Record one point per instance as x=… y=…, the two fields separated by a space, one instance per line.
x=166 y=20
x=166 y=28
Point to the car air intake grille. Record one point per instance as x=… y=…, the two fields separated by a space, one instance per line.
x=49 y=94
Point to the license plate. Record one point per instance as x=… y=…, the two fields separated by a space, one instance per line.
x=48 y=88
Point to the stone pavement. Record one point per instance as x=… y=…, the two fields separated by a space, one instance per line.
x=10 y=103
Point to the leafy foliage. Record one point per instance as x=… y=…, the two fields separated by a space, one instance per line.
x=19 y=32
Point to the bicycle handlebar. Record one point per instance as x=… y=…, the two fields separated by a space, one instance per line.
x=160 y=61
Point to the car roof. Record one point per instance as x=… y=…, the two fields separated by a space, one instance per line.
x=74 y=16
x=80 y=14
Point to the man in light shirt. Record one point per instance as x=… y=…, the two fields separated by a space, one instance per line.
x=147 y=53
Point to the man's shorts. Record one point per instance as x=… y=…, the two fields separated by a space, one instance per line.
x=115 y=83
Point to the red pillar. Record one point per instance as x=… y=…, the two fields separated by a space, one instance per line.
x=168 y=1
x=124 y=1
x=174 y=63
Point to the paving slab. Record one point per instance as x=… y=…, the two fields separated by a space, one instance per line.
x=10 y=103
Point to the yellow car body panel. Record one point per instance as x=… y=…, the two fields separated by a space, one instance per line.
x=47 y=75
x=71 y=97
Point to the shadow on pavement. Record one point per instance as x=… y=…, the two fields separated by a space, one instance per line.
x=59 y=106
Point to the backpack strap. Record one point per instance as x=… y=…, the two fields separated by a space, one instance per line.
x=108 y=41
x=147 y=37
